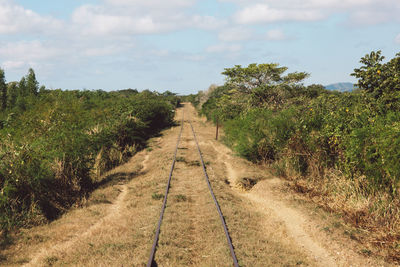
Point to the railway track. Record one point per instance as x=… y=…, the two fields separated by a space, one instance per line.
x=151 y=261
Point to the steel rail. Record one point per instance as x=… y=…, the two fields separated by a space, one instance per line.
x=153 y=249
x=221 y=216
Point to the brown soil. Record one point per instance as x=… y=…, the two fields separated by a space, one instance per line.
x=268 y=225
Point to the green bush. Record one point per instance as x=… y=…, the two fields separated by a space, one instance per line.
x=312 y=129
x=54 y=148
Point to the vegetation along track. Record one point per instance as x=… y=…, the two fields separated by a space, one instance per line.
x=151 y=261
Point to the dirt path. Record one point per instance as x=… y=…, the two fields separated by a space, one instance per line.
x=268 y=226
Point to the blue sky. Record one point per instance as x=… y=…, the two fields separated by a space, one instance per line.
x=184 y=45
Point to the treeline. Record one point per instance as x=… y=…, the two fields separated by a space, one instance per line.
x=56 y=144
x=14 y=94
x=346 y=146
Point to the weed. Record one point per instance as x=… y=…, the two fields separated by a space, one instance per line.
x=327 y=229
x=337 y=224
x=366 y=252
x=194 y=163
x=181 y=198
x=180 y=159
x=51 y=260
x=157 y=196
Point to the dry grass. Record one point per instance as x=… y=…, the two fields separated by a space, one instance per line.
x=191 y=233
x=374 y=221
x=259 y=239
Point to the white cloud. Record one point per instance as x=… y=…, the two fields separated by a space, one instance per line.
x=25 y=51
x=276 y=35
x=106 y=50
x=397 y=39
x=218 y=48
x=194 y=57
x=205 y=22
x=9 y=65
x=358 y=11
x=160 y=4
x=160 y=52
x=110 y=20
x=97 y=20
x=16 y=19
x=235 y=34
x=263 y=13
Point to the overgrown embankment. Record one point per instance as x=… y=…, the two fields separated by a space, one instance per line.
x=56 y=144
x=342 y=149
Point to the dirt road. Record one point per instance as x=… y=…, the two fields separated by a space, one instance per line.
x=115 y=227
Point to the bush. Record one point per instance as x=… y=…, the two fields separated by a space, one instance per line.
x=312 y=129
x=54 y=149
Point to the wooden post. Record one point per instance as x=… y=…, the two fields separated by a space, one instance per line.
x=216 y=134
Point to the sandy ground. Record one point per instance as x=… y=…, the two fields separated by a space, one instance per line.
x=268 y=225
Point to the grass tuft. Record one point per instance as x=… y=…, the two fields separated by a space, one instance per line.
x=157 y=196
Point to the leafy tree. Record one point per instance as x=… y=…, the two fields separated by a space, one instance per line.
x=379 y=81
x=32 y=85
x=3 y=90
x=12 y=92
x=256 y=75
x=259 y=85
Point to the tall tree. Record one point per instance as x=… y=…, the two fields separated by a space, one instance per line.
x=22 y=88
x=12 y=93
x=32 y=85
x=3 y=90
x=22 y=94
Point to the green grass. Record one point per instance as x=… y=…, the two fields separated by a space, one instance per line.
x=157 y=196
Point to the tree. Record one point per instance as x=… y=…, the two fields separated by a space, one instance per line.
x=380 y=81
x=22 y=94
x=263 y=84
x=369 y=74
x=3 y=90
x=32 y=84
x=256 y=75
x=22 y=88
x=12 y=92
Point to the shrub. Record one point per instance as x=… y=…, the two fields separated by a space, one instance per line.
x=53 y=150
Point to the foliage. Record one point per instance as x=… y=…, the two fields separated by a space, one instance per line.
x=56 y=144
x=270 y=117
x=3 y=91
x=254 y=86
x=32 y=84
x=257 y=75
x=380 y=81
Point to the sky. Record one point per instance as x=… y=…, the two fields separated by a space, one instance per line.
x=184 y=45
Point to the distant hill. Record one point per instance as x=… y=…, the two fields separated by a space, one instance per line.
x=341 y=87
